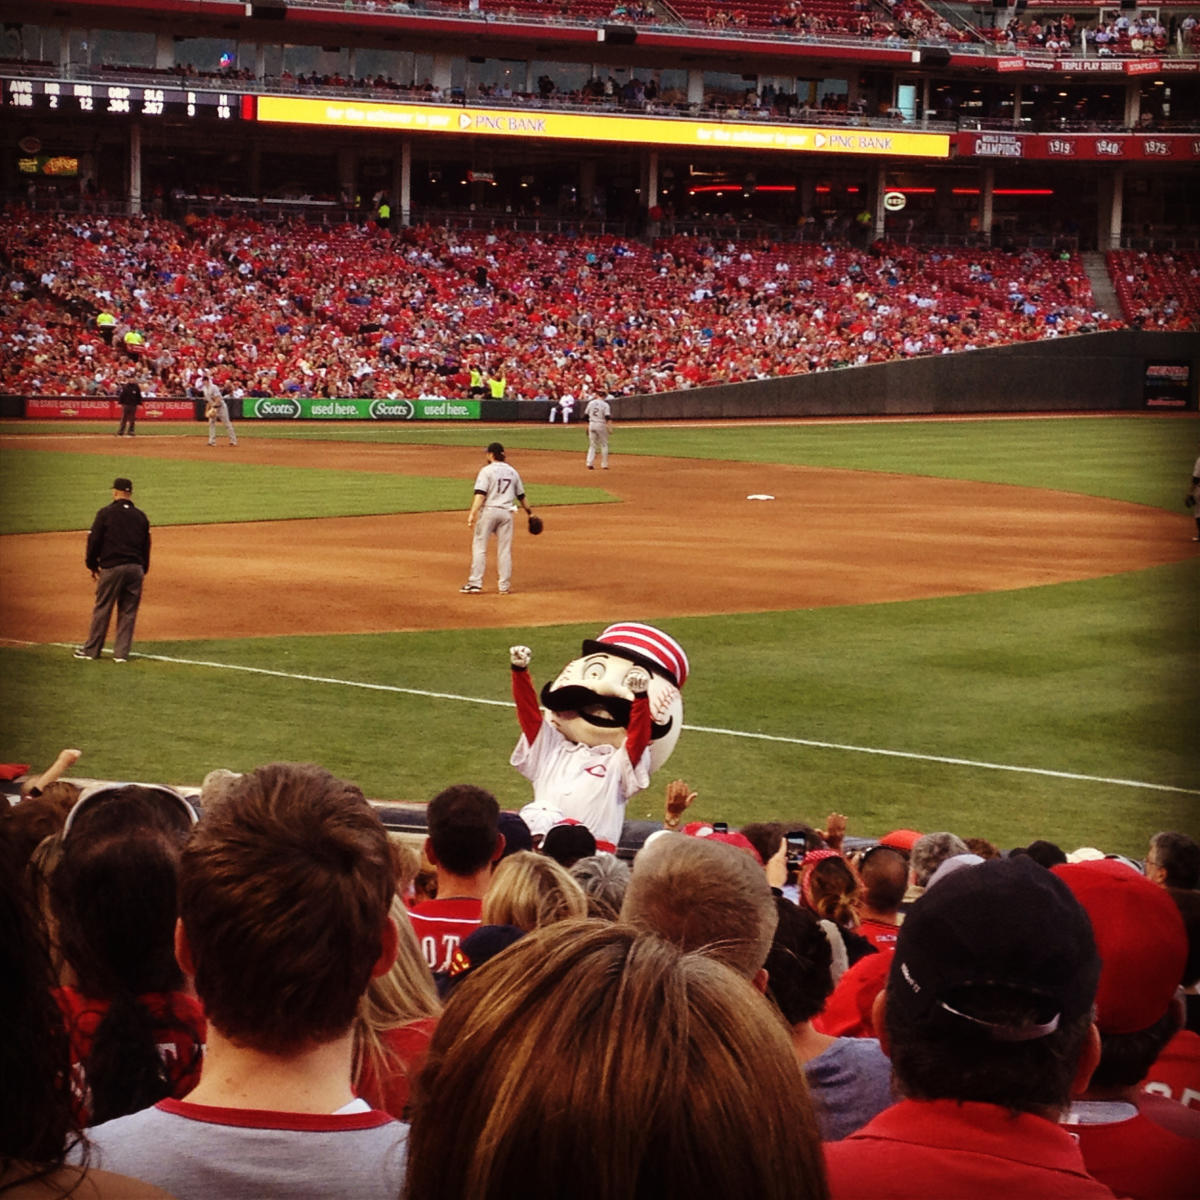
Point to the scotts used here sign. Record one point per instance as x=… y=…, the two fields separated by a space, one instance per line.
x=307 y=408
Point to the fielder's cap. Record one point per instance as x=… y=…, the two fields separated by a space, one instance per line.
x=1142 y=940
x=901 y=839
x=644 y=645
x=495 y=448
x=1005 y=927
x=739 y=841
x=121 y=484
x=516 y=833
x=569 y=842
x=475 y=949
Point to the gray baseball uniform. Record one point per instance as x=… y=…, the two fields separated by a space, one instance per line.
x=217 y=410
x=501 y=487
x=599 y=414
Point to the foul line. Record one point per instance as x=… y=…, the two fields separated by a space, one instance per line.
x=737 y=733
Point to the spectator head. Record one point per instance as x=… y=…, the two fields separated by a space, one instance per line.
x=626 y=1011
x=479 y=946
x=956 y=862
x=700 y=894
x=799 y=978
x=829 y=887
x=284 y=897
x=113 y=896
x=901 y=839
x=515 y=832
x=990 y=991
x=463 y=824
x=1188 y=903
x=884 y=873
x=604 y=879
x=568 y=843
x=38 y=817
x=982 y=847
x=1173 y=861
x=1143 y=948
x=530 y=890
x=930 y=851
x=1045 y=854
x=769 y=841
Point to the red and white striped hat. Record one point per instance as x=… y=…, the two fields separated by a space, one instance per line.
x=643 y=644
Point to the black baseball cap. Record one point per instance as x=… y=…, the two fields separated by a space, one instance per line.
x=495 y=448
x=1007 y=926
x=121 y=484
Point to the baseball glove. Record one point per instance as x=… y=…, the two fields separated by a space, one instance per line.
x=536 y=524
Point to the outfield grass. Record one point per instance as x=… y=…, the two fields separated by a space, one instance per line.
x=787 y=713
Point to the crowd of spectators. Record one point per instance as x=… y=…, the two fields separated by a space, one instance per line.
x=289 y=309
x=1157 y=291
x=268 y=1001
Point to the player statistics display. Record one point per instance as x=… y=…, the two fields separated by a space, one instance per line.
x=63 y=95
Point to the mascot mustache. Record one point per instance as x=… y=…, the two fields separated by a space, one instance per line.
x=605 y=712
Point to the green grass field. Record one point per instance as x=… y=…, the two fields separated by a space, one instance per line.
x=1065 y=712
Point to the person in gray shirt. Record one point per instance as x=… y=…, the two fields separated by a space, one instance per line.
x=850 y=1078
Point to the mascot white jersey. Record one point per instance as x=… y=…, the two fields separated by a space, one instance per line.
x=610 y=719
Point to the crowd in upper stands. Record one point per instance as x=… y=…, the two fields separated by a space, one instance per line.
x=291 y=309
x=490 y=1011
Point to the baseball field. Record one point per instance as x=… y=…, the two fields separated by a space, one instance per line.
x=985 y=625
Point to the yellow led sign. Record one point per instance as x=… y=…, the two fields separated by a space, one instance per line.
x=655 y=131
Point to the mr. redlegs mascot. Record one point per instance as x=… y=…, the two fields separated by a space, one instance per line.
x=612 y=717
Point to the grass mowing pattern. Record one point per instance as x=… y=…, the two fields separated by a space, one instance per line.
x=1095 y=678
x=199 y=493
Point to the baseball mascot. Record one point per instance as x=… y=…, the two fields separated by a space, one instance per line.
x=610 y=719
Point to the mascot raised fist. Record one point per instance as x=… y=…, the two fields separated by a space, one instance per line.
x=610 y=719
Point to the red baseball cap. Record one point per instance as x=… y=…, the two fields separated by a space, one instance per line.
x=1141 y=938
x=900 y=839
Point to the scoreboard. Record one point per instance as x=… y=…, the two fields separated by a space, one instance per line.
x=116 y=99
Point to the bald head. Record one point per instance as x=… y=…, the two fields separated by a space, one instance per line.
x=703 y=895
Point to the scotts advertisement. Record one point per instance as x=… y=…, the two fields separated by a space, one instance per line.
x=1082 y=147
x=306 y=408
x=73 y=408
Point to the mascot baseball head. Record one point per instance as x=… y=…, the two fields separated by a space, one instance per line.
x=590 y=700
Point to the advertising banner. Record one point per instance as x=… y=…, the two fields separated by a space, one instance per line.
x=72 y=408
x=309 y=408
x=1167 y=384
x=650 y=131
x=1094 y=147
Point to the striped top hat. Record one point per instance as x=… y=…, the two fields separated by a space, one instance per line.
x=645 y=645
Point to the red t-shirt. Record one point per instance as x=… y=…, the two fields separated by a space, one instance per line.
x=440 y=925
x=406 y=1047
x=880 y=934
x=919 y=1149
x=1176 y=1072
x=1138 y=1158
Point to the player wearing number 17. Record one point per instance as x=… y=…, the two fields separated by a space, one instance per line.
x=497 y=488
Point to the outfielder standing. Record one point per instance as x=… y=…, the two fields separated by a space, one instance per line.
x=599 y=419
x=497 y=486
x=215 y=409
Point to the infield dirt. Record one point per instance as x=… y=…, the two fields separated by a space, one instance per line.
x=684 y=540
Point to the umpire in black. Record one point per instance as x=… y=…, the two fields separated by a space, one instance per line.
x=118 y=556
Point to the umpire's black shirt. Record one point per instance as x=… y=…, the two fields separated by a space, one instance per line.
x=120 y=534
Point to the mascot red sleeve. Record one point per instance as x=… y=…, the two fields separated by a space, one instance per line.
x=610 y=719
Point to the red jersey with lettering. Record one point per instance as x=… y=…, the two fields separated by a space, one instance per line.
x=440 y=925
x=1176 y=1072
x=880 y=934
x=180 y=1032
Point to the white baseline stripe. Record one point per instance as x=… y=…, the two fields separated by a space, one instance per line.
x=738 y=733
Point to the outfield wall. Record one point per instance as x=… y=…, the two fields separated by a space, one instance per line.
x=1082 y=373
x=1086 y=372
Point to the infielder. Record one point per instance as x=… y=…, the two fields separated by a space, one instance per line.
x=497 y=487
x=599 y=419
x=215 y=409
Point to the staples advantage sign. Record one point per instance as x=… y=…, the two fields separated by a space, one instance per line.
x=309 y=408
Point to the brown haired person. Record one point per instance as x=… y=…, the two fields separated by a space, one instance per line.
x=987 y=1018
x=464 y=844
x=284 y=896
x=118 y=556
x=591 y=1061
x=884 y=873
